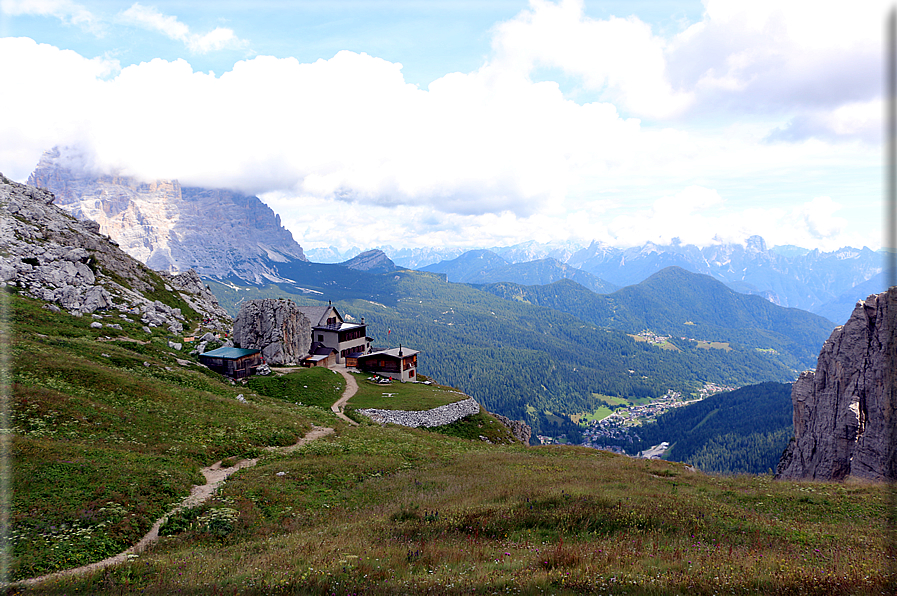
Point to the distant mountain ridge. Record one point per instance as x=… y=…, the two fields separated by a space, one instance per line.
x=809 y=280
x=485 y=266
x=825 y=283
x=219 y=233
x=679 y=303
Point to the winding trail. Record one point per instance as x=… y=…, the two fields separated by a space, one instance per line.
x=215 y=476
x=351 y=389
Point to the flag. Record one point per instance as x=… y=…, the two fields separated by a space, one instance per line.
x=388 y=331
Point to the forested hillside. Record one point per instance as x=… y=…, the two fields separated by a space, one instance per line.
x=737 y=432
x=520 y=360
x=678 y=303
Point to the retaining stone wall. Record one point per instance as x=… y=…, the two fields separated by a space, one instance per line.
x=436 y=417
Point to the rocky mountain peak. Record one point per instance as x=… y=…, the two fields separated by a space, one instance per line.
x=372 y=261
x=220 y=233
x=845 y=423
x=71 y=265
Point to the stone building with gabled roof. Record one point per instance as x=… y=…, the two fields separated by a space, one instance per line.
x=330 y=330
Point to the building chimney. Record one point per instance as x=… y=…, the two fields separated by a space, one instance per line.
x=400 y=350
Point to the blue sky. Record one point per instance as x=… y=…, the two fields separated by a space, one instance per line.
x=429 y=123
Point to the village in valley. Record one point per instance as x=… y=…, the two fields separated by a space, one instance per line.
x=623 y=423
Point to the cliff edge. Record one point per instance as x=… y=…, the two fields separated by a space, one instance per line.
x=844 y=417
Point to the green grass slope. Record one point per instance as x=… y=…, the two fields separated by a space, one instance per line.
x=110 y=428
x=401 y=511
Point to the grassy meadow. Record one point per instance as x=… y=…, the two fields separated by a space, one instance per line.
x=401 y=396
x=110 y=432
x=398 y=511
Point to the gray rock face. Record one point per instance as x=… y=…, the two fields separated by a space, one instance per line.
x=199 y=297
x=169 y=227
x=428 y=418
x=276 y=327
x=54 y=257
x=845 y=422
x=521 y=430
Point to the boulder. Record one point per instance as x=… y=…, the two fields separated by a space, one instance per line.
x=276 y=327
x=845 y=423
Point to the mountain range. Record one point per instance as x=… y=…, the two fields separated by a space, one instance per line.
x=825 y=283
x=228 y=235
x=544 y=353
x=219 y=233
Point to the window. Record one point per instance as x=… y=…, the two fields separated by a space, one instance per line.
x=321 y=338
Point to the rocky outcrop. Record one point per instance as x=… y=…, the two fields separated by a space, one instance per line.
x=521 y=430
x=372 y=261
x=220 y=233
x=428 y=418
x=51 y=256
x=845 y=423
x=276 y=327
x=199 y=297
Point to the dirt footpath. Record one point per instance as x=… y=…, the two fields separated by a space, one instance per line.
x=351 y=389
x=215 y=476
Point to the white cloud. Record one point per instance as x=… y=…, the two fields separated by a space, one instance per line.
x=781 y=57
x=620 y=56
x=150 y=18
x=64 y=10
x=488 y=157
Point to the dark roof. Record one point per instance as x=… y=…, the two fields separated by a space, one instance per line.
x=316 y=314
x=320 y=349
x=342 y=327
x=230 y=353
x=392 y=353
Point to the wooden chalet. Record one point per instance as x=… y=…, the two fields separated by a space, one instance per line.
x=235 y=363
x=319 y=355
x=396 y=363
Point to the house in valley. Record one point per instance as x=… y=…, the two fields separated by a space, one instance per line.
x=396 y=363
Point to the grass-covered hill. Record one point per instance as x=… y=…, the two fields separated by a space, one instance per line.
x=110 y=428
x=527 y=360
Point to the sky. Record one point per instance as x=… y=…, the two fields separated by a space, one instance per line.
x=471 y=123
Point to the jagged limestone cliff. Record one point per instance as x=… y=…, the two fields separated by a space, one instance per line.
x=220 y=233
x=844 y=417
x=49 y=255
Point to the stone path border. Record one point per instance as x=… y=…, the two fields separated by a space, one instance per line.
x=215 y=476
